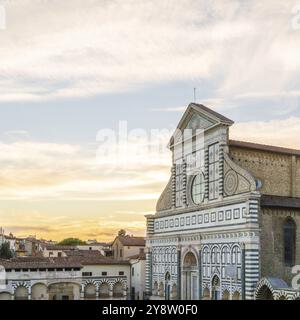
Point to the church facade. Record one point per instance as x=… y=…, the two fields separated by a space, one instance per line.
x=225 y=226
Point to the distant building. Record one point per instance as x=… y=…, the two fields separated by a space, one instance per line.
x=11 y=240
x=98 y=246
x=41 y=278
x=1 y=236
x=79 y=274
x=126 y=246
x=138 y=268
x=56 y=251
x=22 y=247
x=32 y=246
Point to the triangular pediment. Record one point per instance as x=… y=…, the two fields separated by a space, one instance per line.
x=197 y=121
x=199 y=117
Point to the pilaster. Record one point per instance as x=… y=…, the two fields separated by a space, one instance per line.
x=179 y=272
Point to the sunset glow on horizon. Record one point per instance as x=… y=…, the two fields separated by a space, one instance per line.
x=72 y=72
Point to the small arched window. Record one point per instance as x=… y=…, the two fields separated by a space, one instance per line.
x=236 y=255
x=225 y=255
x=289 y=235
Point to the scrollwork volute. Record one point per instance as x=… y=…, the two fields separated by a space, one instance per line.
x=236 y=179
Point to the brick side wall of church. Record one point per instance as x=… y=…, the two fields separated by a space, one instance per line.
x=272 y=244
x=298 y=177
x=279 y=173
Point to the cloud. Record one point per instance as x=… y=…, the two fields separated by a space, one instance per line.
x=36 y=170
x=56 y=190
x=59 y=49
x=284 y=132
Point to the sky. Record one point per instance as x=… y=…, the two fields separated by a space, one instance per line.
x=76 y=73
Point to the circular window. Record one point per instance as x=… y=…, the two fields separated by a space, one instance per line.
x=198 y=189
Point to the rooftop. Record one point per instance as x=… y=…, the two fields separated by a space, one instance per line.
x=54 y=247
x=102 y=244
x=201 y=107
x=139 y=256
x=39 y=262
x=263 y=147
x=132 y=241
x=74 y=259
x=91 y=257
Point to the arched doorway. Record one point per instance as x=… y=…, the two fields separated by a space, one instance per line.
x=264 y=293
x=190 y=277
x=161 y=289
x=21 y=293
x=64 y=291
x=206 y=294
x=118 y=290
x=215 y=288
x=39 y=291
x=5 y=296
x=155 y=289
x=90 y=291
x=167 y=286
x=236 y=296
x=174 y=292
x=104 y=290
x=225 y=295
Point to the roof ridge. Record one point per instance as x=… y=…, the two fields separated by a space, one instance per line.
x=212 y=111
x=261 y=146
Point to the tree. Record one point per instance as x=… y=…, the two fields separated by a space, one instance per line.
x=71 y=242
x=5 y=252
x=122 y=233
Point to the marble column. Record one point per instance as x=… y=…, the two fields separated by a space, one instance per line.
x=82 y=292
x=29 y=293
x=125 y=294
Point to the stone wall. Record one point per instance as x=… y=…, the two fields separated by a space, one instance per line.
x=279 y=173
x=272 y=244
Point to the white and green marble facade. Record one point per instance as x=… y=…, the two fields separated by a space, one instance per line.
x=190 y=245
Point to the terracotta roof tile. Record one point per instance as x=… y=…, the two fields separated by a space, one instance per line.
x=71 y=261
x=102 y=260
x=80 y=252
x=140 y=256
x=54 y=247
x=91 y=257
x=132 y=241
x=39 y=262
